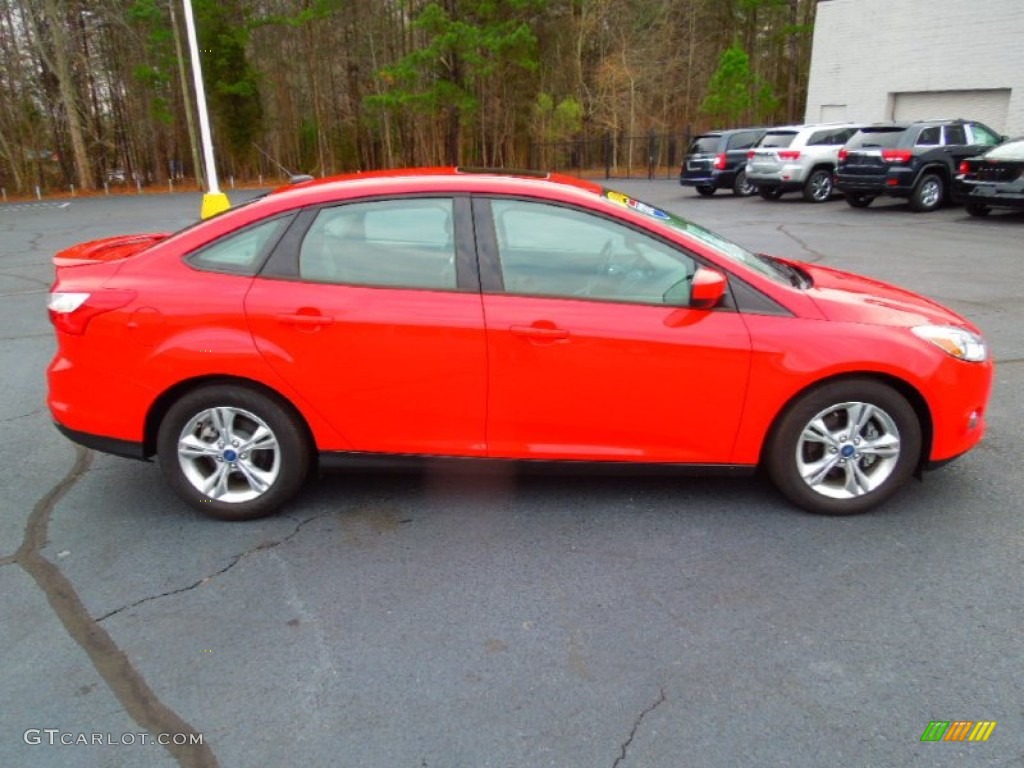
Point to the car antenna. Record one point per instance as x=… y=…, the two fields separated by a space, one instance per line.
x=293 y=178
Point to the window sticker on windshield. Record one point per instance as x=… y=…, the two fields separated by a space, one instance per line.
x=636 y=205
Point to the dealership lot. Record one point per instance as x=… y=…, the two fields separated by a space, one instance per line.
x=492 y=620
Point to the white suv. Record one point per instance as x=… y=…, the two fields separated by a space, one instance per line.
x=798 y=157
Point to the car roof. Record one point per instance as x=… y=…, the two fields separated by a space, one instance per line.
x=438 y=179
x=425 y=181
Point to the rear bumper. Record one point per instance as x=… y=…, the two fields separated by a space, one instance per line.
x=775 y=183
x=716 y=179
x=1005 y=195
x=874 y=185
x=125 y=448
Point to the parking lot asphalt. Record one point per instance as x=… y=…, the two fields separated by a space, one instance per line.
x=493 y=620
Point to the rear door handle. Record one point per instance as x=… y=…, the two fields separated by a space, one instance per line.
x=533 y=332
x=304 y=320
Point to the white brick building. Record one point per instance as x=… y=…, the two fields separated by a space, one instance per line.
x=876 y=60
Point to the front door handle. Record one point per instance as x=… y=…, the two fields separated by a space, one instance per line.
x=539 y=333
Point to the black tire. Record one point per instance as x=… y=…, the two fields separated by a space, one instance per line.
x=928 y=193
x=818 y=187
x=859 y=460
x=858 y=199
x=242 y=411
x=705 y=190
x=770 y=193
x=742 y=186
x=978 y=209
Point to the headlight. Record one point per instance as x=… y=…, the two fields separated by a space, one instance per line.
x=958 y=342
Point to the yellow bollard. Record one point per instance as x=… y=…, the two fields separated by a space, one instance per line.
x=213 y=203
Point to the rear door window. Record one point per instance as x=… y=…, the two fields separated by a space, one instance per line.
x=956 y=134
x=743 y=140
x=930 y=136
x=385 y=243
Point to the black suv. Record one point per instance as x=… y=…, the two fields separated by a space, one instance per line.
x=913 y=160
x=718 y=159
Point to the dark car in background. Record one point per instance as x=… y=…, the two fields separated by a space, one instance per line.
x=992 y=180
x=913 y=160
x=717 y=160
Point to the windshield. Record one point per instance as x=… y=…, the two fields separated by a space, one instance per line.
x=764 y=265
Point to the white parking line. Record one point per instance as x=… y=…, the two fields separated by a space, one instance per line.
x=28 y=206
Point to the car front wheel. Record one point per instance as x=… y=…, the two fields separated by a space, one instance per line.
x=770 y=193
x=927 y=194
x=978 y=209
x=844 y=447
x=233 y=453
x=705 y=190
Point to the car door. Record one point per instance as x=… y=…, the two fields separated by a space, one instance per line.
x=371 y=311
x=594 y=352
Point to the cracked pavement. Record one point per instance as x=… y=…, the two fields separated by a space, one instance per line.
x=492 y=620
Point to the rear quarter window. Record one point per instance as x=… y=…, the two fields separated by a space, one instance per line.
x=780 y=140
x=703 y=145
x=242 y=252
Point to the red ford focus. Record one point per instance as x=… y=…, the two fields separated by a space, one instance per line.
x=457 y=314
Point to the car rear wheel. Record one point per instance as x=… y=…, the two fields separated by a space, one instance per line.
x=770 y=193
x=927 y=194
x=858 y=199
x=741 y=185
x=233 y=453
x=818 y=187
x=844 y=447
x=978 y=209
x=705 y=190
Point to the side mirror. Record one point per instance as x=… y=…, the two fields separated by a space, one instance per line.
x=707 y=289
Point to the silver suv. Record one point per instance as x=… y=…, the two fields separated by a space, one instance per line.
x=798 y=157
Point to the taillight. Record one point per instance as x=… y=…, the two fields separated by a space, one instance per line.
x=750 y=155
x=965 y=167
x=720 y=162
x=789 y=154
x=72 y=312
x=896 y=155
x=843 y=153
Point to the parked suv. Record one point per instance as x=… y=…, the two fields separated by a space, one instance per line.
x=913 y=160
x=716 y=159
x=798 y=157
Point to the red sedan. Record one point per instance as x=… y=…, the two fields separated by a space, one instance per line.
x=428 y=314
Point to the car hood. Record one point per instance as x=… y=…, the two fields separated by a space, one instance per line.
x=107 y=249
x=847 y=297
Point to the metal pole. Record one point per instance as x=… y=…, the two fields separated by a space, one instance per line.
x=214 y=201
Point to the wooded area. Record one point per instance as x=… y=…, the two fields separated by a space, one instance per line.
x=99 y=91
